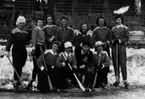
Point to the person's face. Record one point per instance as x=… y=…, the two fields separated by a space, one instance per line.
x=85 y=48
x=49 y=20
x=99 y=48
x=84 y=27
x=40 y=23
x=101 y=22
x=21 y=25
x=64 y=22
x=55 y=47
x=118 y=21
x=68 y=50
x=33 y=23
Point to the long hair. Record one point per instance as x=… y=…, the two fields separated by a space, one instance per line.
x=53 y=19
x=81 y=30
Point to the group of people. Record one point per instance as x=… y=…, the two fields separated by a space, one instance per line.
x=60 y=51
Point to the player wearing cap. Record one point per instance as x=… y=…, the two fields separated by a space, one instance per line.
x=84 y=63
x=64 y=73
x=101 y=62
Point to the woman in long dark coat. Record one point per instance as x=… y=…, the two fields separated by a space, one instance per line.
x=18 y=38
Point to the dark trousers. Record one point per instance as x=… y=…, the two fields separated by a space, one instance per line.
x=62 y=75
x=106 y=48
x=102 y=77
x=121 y=61
x=37 y=55
x=19 y=56
x=88 y=79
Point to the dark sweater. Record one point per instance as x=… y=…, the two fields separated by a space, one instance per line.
x=50 y=30
x=18 y=38
x=50 y=59
x=80 y=56
x=64 y=35
x=101 y=34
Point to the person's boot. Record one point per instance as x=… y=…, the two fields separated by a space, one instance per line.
x=29 y=86
x=126 y=84
x=116 y=84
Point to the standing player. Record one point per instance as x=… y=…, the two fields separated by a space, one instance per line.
x=84 y=34
x=120 y=35
x=64 y=33
x=38 y=43
x=18 y=38
x=50 y=31
x=102 y=33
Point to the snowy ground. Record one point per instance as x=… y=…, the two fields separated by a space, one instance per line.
x=135 y=64
x=136 y=78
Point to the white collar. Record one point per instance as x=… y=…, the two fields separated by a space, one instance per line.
x=39 y=27
x=50 y=51
x=118 y=26
x=66 y=54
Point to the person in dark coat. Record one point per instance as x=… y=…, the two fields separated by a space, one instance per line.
x=84 y=34
x=65 y=74
x=50 y=31
x=18 y=38
x=120 y=35
x=38 y=43
x=64 y=33
x=84 y=59
x=102 y=33
x=101 y=62
x=49 y=57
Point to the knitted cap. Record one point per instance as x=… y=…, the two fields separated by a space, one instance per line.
x=20 y=19
x=98 y=43
x=67 y=44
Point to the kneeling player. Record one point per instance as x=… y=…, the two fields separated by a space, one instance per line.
x=101 y=62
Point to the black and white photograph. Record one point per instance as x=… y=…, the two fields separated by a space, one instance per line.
x=72 y=49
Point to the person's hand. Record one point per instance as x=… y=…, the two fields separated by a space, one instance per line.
x=42 y=68
x=102 y=66
x=108 y=42
x=51 y=39
x=82 y=66
x=33 y=51
x=63 y=64
x=74 y=69
x=85 y=60
x=6 y=53
x=117 y=41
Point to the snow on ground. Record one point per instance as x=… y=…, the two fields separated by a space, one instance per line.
x=135 y=67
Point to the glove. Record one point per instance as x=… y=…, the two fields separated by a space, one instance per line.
x=33 y=52
x=116 y=41
x=74 y=69
x=101 y=66
x=96 y=69
x=42 y=68
x=6 y=53
x=82 y=66
x=66 y=62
